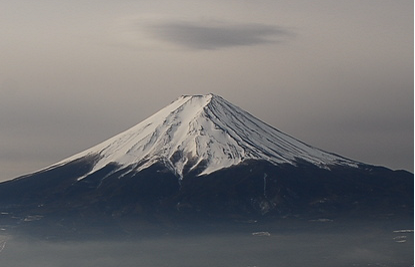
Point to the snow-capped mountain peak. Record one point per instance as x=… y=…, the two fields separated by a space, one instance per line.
x=204 y=132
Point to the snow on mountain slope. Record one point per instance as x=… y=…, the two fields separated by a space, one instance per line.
x=207 y=132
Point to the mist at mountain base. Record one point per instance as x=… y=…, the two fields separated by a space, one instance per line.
x=320 y=242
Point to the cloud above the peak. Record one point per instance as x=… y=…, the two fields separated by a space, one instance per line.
x=217 y=35
x=200 y=34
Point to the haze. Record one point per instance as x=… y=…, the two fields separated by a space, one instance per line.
x=337 y=75
x=316 y=244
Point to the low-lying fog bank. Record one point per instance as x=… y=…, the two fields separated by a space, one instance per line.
x=321 y=242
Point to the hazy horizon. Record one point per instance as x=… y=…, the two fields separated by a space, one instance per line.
x=316 y=244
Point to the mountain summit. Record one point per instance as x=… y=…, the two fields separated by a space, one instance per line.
x=204 y=133
x=202 y=157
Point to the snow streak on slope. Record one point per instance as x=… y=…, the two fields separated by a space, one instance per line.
x=207 y=132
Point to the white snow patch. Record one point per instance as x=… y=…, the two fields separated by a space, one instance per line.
x=261 y=234
x=403 y=231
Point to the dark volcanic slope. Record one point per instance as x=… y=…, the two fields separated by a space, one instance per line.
x=253 y=190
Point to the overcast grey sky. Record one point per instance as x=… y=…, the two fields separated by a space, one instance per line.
x=337 y=75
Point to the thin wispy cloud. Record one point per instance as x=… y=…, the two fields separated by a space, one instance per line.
x=205 y=36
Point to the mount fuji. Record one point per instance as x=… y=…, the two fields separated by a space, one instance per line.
x=203 y=157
